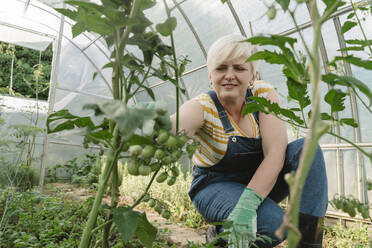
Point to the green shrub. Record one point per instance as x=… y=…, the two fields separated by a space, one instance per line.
x=85 y=173
x=27 y=70
x=23 y=177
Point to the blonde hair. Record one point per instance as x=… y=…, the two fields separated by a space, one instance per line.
x=230 y=47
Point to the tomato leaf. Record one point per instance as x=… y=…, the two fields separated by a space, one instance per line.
x=145 y=232
x=284 y=4
x=335 y=98
x=64 y=120
x=167 y=27
x=367 y=64
x=275 y=40
x=347 y=26
x=126 y=220
x=349 y=122
x=352 y=82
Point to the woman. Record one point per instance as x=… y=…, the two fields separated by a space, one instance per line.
x=239 y=168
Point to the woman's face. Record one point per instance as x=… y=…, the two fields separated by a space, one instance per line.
x=231 y=79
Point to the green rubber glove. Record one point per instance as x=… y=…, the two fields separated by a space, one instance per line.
x=244 y=218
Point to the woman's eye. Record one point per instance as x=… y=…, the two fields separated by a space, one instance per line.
x=240 y=68
x=220 y=68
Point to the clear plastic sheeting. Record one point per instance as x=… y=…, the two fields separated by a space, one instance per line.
x=17 y=36
x=32 y=29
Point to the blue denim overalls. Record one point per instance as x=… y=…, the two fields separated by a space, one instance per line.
x=216 y=190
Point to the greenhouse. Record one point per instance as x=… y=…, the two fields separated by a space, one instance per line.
x=70 y=123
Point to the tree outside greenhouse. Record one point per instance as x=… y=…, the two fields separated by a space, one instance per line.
x=114 y=99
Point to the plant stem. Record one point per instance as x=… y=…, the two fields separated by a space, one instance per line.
x=141 y=83
x=362 y=101
x=102 y=225
x=351 y=143
x=311 y=141
x=146 y=190
x=112 y=158
x=175 y=69
x=300 y=33
x=360 y=25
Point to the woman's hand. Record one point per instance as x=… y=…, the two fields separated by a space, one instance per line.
x=244 y=218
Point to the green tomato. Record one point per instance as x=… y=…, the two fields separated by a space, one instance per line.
x=162 y=177
x=135 y=150
x=168 y=159
x=146 y=198
x=85 y=145
x=177 y=154
x=158 y=208
x=172 y=142
x=191 y=148
x=155 y=166
x=148 y=152
x=171 y=181
x=166 y=214
x=182 y=140
x=125 y=147
x=101 y=152
x=271 y=12
x=133 y=168
x=144 y=170
x=175 y=171
x=161 y=107
x=159 y=154
x=152 y=203
x=163 y=137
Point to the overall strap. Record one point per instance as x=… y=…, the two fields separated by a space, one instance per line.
x=249 y=93
x=221 y=112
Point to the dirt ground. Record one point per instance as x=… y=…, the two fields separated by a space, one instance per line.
x=175 y=233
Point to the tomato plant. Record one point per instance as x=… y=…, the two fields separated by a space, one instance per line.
x=139 y=133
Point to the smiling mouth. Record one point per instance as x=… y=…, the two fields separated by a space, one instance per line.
x=229 y=85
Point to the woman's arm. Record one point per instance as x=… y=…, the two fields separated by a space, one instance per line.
x=191 y=117
x=274 y=143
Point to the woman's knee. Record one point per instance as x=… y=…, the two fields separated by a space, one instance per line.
x=293 y=153
x=269 y=219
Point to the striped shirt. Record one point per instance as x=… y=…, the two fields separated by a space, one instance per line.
x=212 y=137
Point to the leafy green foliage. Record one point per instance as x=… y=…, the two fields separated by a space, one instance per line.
x=263 y=105
x=30 y=76
x=83 y=173
x=366 y=64
x=348 y=81
x=284 y=4
x=351 y=206
x=347 y=26
x=336 y=99
x=167 y=27
x=126 y=221
x=34 y=220
x=339 y=236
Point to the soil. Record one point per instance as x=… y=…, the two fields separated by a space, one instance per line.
x=176 y=234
